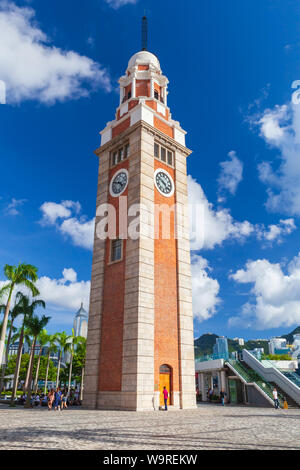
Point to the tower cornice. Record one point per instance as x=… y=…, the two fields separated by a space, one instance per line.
x=163 y=138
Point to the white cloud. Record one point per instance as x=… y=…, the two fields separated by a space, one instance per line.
x=275 y=232
x=205 y=289
x=33 y=69
x=64 y=293
x=280 y=128
x=211 y=227
x=70 y=275
x=12 y=207
x=119 y=3
x=231 y=174
x=276 y=292
x=79 y=229
x=53 y=211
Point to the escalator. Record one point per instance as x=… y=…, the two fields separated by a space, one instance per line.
x=250 y=377
x=293 y=377
x=286 y=381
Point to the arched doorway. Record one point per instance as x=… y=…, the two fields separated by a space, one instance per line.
x=165 y=380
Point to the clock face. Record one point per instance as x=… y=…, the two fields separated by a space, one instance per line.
x=164 y=182
x=118 y=183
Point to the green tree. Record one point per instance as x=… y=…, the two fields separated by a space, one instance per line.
x=52 y=348
x=13 y=314
x=11 y=365
x=23 y=274
x=28 y=309
x=63 y=342
x=73 y=342
x=43 y=339
x=36 y=326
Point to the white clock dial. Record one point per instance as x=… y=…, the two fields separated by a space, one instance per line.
x=118 y=183
x=164 y=182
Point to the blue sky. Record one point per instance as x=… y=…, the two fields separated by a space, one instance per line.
x=231 y=66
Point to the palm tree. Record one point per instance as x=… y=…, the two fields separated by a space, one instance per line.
x=74 y=340
x=23 y=274
x=52 y=347
x=43 y=339
x=28 y=310
x=63 y=341
x=28 y=340
x=13 y=315
x=36 y=325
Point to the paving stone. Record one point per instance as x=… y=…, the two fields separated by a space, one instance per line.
x=207 y=427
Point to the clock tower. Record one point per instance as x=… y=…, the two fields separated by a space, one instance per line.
x=140 y=331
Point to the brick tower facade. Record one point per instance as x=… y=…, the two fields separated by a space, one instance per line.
x=140 y=331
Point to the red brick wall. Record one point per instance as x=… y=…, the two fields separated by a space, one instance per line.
x=111 y=348
x=163 y=127
x=142 y=88
x=165 y=293
x=121 y=127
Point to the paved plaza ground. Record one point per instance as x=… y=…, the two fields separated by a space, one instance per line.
x=208 y=427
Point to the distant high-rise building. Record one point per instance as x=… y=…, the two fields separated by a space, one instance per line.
x=276 y=343
x=296 y=346
x=220 y=349
x=80 y=324
x=240 y=341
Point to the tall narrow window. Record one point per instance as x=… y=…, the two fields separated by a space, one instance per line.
x=163 y=154
x=121 y=153
x=156 y=150
x=126 y=151
x=116 y=250
x=156 y=94
x=170 y=158
x=115 y=158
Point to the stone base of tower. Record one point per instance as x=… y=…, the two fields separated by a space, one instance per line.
x=130 y=401
x=188 y=400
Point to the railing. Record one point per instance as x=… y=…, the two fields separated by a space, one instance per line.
x=252 y=377
x=293 y=377
x=211 y=357
x=273 y=375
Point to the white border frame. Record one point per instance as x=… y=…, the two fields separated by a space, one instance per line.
x=161 y=170
x=122 y=170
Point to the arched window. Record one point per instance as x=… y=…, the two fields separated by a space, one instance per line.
x=165 y=369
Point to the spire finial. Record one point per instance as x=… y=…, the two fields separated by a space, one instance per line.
x=144 y=33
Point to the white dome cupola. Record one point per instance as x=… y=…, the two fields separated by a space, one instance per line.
x=144 y=58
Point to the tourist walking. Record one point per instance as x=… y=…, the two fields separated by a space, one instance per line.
x=64 y=399
x=57 y=400
x=50 y=399
x=276 y=401
x=166 y=395
x=222 y=396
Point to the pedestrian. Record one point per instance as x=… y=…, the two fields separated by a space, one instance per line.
x=166 y=395
x=275 y=396
x=50 y=399
x=37 y=400
x=57 y=400
x=222 y=396
x=64 y=399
